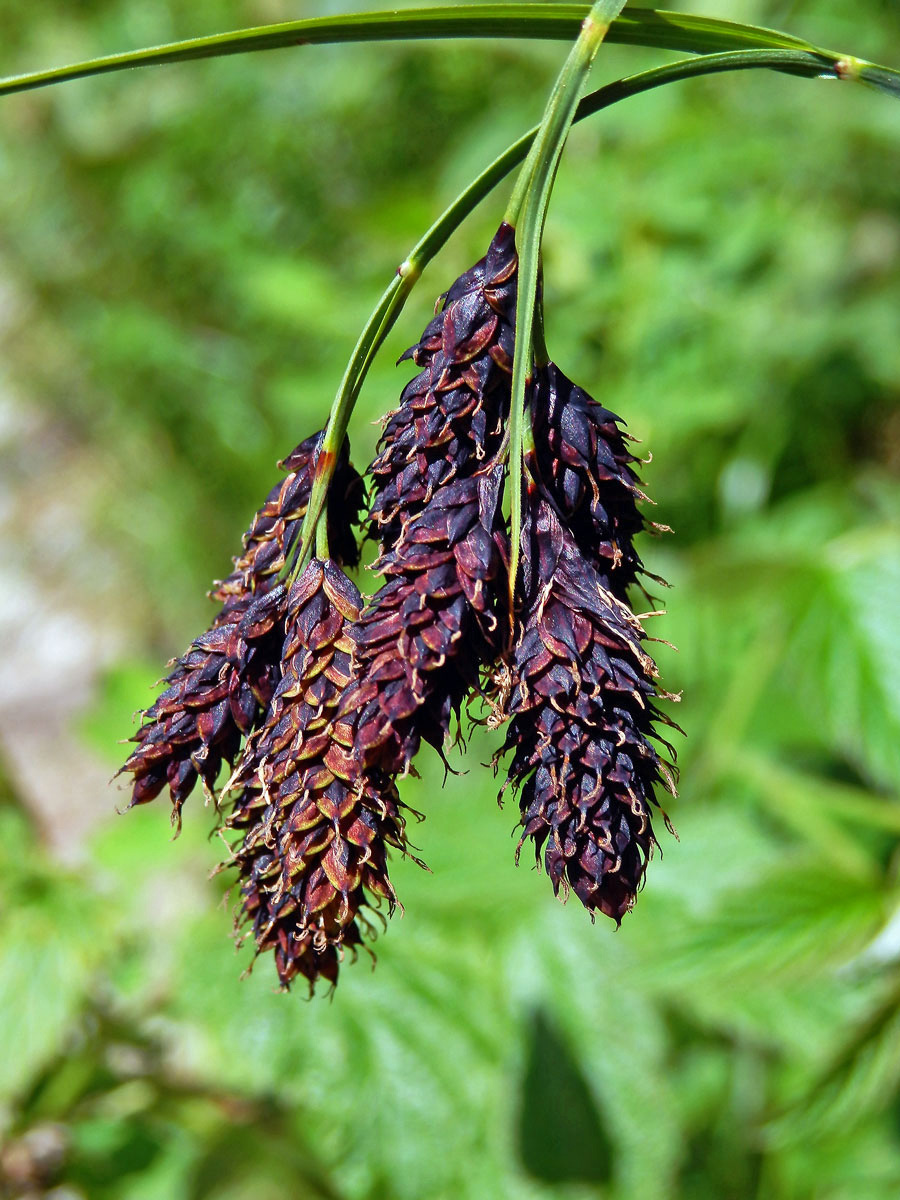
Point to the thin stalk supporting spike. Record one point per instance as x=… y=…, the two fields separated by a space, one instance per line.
x=802 y=63
x=526 y=213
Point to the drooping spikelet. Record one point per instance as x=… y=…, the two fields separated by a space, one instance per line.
x=323 y=703
x=276 y=525
x=315 y=826
x=217 y=691
x=451 y=417
x=582 y=716
x=214 y=696
x=436 y=511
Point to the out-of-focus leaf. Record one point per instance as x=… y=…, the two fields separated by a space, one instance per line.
x=584 y=977
x=862 y=1078
x=832 y=817
x=831 y=599
x=53 y=935
x=561 y=1135
x=795 y=922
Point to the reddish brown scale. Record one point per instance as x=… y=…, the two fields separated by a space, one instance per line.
x=215 y=694
x=219 y=689
x=315 y=828
x=431 y=627
x=582 y=720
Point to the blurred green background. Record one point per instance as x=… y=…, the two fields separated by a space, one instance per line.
x=186 y=256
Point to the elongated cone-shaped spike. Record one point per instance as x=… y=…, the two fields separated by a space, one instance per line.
x=315 y=828
x=436 y=509
x=213 y=699
x=275 y=527
x=582 y=720
x=218 y=690
x=451 y=417
x=429 y=629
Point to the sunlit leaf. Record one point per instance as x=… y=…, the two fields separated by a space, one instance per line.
x=794 y=922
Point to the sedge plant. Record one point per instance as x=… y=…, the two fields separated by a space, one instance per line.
x=505 y=503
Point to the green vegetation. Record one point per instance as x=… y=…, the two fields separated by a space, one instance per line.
x=188 y=255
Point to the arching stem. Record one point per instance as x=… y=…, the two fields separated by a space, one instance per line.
x=390 y=305
x=527 y=211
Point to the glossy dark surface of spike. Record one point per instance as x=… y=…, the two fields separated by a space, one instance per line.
x=586 y=470
x=582 y=722
x=451 y=417
x=215 y=695
x=428 y=630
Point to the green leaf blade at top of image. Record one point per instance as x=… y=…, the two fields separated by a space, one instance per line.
x=637 y=27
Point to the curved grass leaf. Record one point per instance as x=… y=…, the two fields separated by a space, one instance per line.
x=637 y=27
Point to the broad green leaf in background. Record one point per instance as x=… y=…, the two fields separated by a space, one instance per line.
x=835 y=600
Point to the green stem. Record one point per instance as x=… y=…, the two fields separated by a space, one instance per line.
x=394 y=297
x=523 y=179
x=376 y=329
x=636 y=27
x=527 y=212
x=539 y=344
x=322 y=550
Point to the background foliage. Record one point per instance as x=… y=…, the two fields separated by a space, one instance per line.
x=187 y=255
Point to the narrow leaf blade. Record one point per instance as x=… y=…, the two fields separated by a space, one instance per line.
x=637 y=27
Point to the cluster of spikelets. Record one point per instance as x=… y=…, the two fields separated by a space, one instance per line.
x=318 y=701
